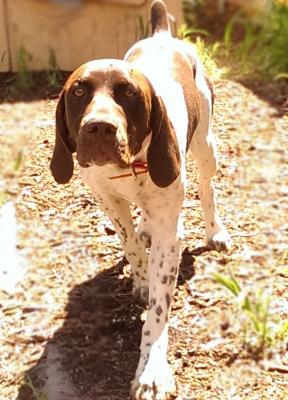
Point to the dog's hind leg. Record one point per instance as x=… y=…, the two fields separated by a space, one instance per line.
x=204 y=152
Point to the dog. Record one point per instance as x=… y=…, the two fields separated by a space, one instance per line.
x=131 y=123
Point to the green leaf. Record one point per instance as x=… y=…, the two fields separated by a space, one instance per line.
x=282 y=331
x=230 y=283
x=194 y=31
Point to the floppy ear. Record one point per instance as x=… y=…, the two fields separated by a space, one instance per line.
x=62 y=162
x=163 y=155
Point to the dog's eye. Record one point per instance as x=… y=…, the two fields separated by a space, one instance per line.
x=130 y=91
x=78 y=92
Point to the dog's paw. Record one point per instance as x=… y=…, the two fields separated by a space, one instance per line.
x=220 y=241
x=155 y=383
x=141 y=293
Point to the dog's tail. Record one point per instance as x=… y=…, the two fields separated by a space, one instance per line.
x=159 y=17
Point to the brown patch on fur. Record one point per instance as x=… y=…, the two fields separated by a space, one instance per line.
x=183 y=72
x=163 y=153
x=62 y=165
x=159 y=17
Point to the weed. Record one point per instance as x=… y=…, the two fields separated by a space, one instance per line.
x=53 y=73
x=142 y=31
x=186 y=32
x=3 y=198
x=23 y=79
x=37 y=393
x=208 y=54
x=256 y=47
x=260 y=332
x=17 y=162
x=263 y=48
x=190 y=8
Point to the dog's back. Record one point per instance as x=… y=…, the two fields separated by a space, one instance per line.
x=171 y=67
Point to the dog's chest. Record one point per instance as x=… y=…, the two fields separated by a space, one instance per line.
x=110 y=180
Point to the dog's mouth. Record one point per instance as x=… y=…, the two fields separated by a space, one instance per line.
x=92 y=155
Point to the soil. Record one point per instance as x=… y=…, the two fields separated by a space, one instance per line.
x=72 y=329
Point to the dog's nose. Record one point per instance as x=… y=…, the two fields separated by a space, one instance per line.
x=100 y=128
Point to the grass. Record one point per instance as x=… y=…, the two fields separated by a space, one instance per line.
x=260 y=330
x=53 y=72
x=255 y=46
x=24 y=79
x=142 y=30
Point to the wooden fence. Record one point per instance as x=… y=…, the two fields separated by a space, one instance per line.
x=40 y=33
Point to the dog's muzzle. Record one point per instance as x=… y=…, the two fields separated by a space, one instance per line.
x=100 y=143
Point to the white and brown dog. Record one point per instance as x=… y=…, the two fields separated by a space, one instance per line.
x=131 y=123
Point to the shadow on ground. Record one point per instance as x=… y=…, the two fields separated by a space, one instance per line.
x=274 y=93
x=31 y=85
x=95 y=353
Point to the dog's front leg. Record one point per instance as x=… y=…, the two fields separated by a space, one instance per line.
x=119 y=213
x=154 y=379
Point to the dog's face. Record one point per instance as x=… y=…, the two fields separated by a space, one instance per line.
x=105 y=112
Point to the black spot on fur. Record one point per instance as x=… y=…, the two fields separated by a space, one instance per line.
x=168 y=300
x=164 y=279
x=159 y=310
x=152 y=302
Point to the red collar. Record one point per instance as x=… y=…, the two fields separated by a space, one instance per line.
x=140 y=165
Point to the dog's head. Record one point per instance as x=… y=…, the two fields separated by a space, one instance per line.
x=106 y=110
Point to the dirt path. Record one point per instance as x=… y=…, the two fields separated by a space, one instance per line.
x=72 y=326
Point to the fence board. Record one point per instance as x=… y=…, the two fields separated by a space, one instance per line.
x=4 y=47
x=75 y=34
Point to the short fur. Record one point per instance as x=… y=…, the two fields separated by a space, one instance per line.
x=152 y=108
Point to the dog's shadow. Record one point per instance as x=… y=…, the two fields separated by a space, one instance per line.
x=94 y=354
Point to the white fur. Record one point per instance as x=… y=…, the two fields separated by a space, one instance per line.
x=161 y=211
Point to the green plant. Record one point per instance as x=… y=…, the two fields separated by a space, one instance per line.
x=190 y=8
x=208 y=54
x=256 y=310
x=23 y=78
x=37 y=393
x=263 y=47
x=18 y=160
x=142 y=31
x=186 y=32
x=53 y=73
x=3 y=198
